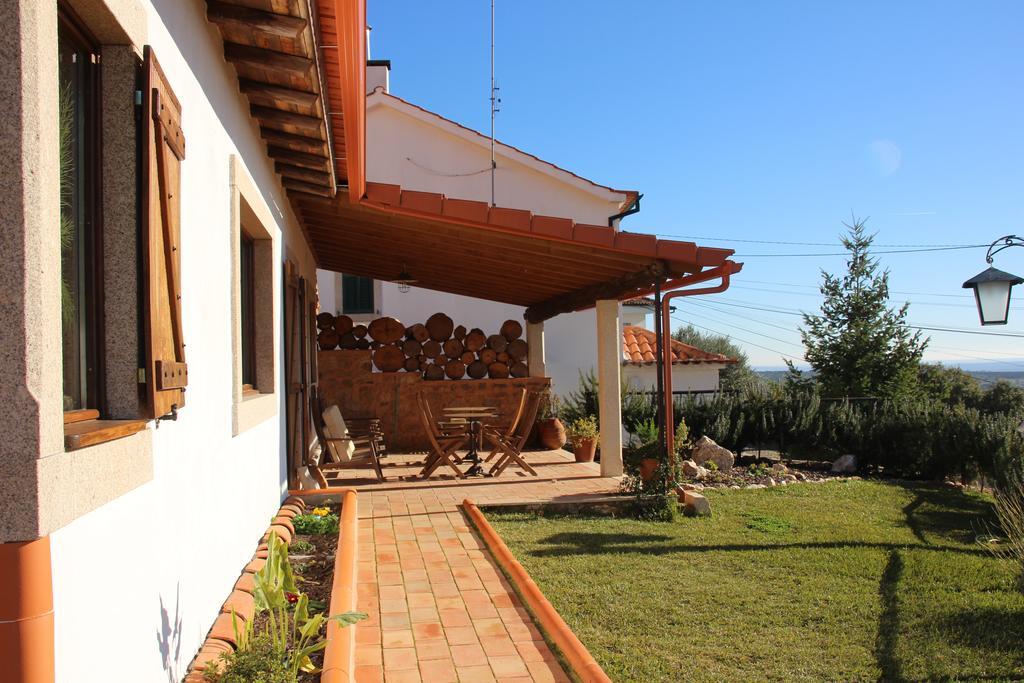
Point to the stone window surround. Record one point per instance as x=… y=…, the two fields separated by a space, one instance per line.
x=44 y=487
x=250 y=213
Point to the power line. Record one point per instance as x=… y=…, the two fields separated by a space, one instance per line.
x=728 y=336
x=760 y=334
x=913 y=327
x=891 y=291
x=711 y=307
x=846 y=253
x=822 y=244
x=913 y=302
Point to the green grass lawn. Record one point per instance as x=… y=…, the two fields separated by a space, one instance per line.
x=838 y=582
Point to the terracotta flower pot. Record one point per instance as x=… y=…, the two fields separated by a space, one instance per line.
x=648 y=466
x=551 y=433
x=584 y=450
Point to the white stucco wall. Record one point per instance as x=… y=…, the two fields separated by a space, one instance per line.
x=418 y=151
x=692 y=377
x=138 y=582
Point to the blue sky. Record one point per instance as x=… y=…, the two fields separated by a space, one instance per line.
x=761 y=121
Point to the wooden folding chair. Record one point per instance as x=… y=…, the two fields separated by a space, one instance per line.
x=512 y=446
x=444 y=440
x=355 y=448
x=494 y=434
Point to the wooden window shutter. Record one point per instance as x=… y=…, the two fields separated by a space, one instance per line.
x=163 y=148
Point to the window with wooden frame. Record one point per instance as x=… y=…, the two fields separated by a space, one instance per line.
x=80 y=225
x=253 y=302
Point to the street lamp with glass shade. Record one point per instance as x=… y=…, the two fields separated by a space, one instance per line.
x=992 y=294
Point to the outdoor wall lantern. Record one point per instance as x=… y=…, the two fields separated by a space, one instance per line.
x=992 y=286
x=404 y=280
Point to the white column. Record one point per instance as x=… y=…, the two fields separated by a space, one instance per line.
x=535 y=354
x=609 y=360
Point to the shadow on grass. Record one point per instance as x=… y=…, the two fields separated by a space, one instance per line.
x=987 y=629
x=889 y=620
x=568 y=544
x=940 y=512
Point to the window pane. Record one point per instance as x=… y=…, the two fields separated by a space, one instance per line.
x=248 y=321
x=356 y=294
x=74 y=131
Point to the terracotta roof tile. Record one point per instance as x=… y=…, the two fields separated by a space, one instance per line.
x=638 y=348
x=388 y=195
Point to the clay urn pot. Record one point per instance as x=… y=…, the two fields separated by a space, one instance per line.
x=648 y=466
x=551 y=433
x=584 y=450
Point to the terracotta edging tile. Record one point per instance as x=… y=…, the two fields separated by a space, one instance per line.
x=339 y=655
x=576 y=654
x=221 y=636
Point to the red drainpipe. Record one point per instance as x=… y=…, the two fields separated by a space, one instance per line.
x=723 y=271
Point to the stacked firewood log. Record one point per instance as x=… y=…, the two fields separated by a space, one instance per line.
x=437 y=349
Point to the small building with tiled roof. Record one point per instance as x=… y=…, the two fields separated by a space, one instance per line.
x=693 y=369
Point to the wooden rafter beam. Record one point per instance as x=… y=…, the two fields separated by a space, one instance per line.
x=580 y=298
x=227 y=15
x=313 y=161
x=304 y=174
x=268 y=59
x=308 y=188
x=270 y=95
x=271 y=117
x=301 y=144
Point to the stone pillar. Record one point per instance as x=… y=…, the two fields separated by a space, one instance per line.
x=535 y=358
x=609 y=361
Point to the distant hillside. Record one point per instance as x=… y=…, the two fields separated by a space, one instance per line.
x=986 y=377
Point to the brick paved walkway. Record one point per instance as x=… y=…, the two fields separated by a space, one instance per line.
x=440 y=609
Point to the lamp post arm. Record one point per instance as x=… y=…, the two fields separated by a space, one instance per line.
x=1004 y=242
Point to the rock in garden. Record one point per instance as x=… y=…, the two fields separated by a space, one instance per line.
x=706 y=450
x=770 y=482
x=756 y=486
x=690 y=468
x=844 y=464
x=692 y=487
x=800 y=476
x=696 y=504
x=778 y=469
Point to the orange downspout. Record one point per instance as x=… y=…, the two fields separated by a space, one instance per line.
x=666 y=348
x=26 y=612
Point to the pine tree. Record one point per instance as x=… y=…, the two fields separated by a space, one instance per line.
x=859 y=346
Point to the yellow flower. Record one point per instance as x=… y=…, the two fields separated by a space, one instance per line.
x=321 y=512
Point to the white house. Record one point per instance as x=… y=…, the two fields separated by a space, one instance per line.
x=693 y=369
x=413 y=147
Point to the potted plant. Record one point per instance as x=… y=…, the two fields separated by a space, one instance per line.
x=550 y=429
x=583 y=434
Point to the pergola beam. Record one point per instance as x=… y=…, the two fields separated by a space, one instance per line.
x=586 y=296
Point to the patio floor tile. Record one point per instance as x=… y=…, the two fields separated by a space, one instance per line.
x=440 y=609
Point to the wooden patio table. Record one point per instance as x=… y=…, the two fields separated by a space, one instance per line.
x=474 y=416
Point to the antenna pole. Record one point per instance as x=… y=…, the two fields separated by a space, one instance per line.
x=493 y=103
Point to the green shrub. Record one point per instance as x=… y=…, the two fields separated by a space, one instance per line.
x=914 y=438
x=261 y=662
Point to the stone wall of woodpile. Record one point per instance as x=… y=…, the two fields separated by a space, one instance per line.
x=346 y=378
x=436 y=350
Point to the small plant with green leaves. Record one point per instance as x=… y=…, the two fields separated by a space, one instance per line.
x=317 y=522
x=583 y=429
x=758 y=470
x=287 y=638
x=302 y=546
